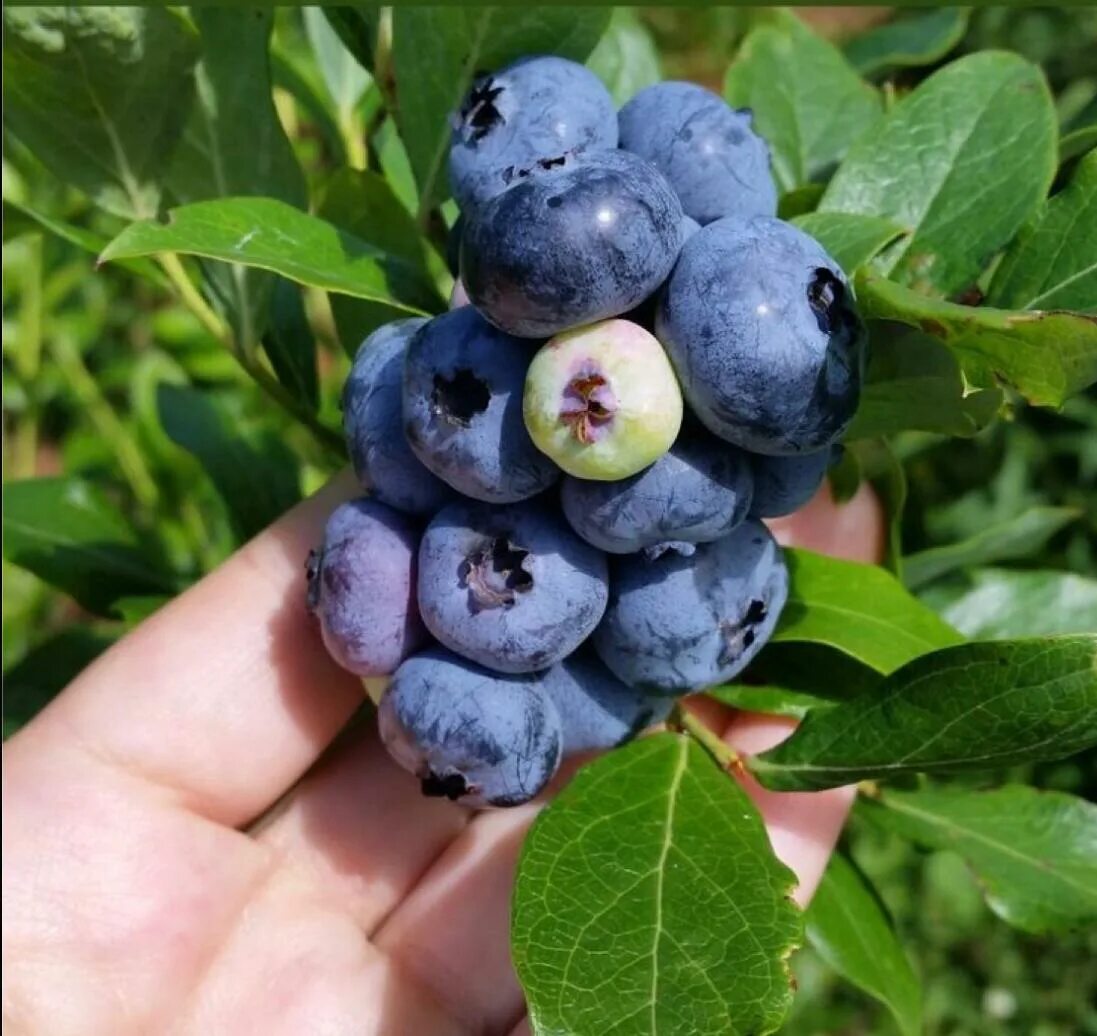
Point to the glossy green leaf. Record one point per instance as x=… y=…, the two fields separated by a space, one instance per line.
x=860 y=610
x=625 y=59
x=850 y=239
x=1002 y=602
x=289 y=343
x=100 y=95
x=1017 y=537
x=271 y=235
x=68 y=533
x=1046 y=357
x=1052 y=263
x=913 y=42
x=357 y=27
x=1076 y=143
x=255 y=474
x=799 y=201
x=808 y=102
x=648 y=900
x=438 y=51
x=976 y=706
x=848 y=926
x=234 y=144
x=913 y=382
x=345 y=77
x=1034 y=852
x=395 y=164
x=981 y=134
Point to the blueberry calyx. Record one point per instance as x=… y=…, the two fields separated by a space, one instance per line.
x=512 y=173
x=588 y=406
x=480 y=113
x=738 y=636
x=825 y=297
x=494 y=575
x=452 y=786
x=313 y=564
x=459 y=398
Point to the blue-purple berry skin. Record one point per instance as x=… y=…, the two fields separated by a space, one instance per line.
x=533 y=110
x=572 y=245
x=374 y=424
x=462 y=406
x=474 y=736
x=762 y=329
x=678 y=624
x=512 y=588
x=708 y=151
x=697 y=492
x=784 y=484
x=362 y=587
x=597 y=711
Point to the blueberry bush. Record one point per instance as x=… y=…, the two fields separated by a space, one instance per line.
x=207 y=210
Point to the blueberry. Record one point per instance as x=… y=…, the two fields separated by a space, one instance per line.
x=362 y=587
x=697 y=492
x=469 y=734
x=689 y=228
x=784 y=484
x=760 y=325
x=534 y=110
x=597 y=711
x=374 y=425
x=578 y=242
x=512 y=588
x=602 y=401
x=678 y=624
x=463 y=383
x=709 y=152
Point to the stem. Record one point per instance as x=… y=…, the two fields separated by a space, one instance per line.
x=383 y=74
x=191 y=297
x=723 y=753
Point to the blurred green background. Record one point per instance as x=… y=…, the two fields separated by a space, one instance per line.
x=102 y=373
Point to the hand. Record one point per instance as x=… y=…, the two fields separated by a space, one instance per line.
x=191 y=845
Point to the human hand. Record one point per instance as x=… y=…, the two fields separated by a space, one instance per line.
x=192 y=845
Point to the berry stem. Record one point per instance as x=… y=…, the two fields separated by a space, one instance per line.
x=682 y=719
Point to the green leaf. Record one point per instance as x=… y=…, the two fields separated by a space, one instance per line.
x=1076 y=143
x=648 y=900
x=799 y=201
x=851 y=240
x=357 y=27
x=234 y=144
x=289 y=343
x=849 y=928
x=913 y=382
x=1002 y=602
x=975 y=706
x=877 y=462
x=860 y=610
x=1018 y=537
x=438 y=51
x=981 y=135
x=46 y=670
x=767 y=699
x=67 y=533
x=395 y=164
x=1052 y=263
x=285 y=74
x=344 y=76
x=1034 y=852
x=1046 y=357
x=625 y=59
x=100 y=95
x=271 y=235
x=134 y=610
x=256 y=475
x=923 y=39
x=808 y=103
x=364 y=204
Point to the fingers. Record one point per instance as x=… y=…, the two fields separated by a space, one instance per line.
x=853 y=530
x=226 y=695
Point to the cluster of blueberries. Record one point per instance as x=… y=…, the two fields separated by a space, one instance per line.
x=554 y=547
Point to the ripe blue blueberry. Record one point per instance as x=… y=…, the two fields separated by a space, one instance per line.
x=709 y=152
x=580 y=241
x=512 y=588
x=678 y=624
x=531 y=111
x=761 y=327
x=784 y=484
x=699 y=491
x=362 y=587
x=374 y=424
x=597 y=711
x=463 y=382
x=468 y=734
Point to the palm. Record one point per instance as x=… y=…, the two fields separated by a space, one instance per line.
x=158 y=877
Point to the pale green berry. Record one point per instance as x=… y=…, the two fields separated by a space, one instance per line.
x=602 y=401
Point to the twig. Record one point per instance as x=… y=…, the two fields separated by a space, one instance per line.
x=723 y=753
